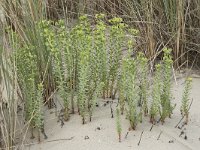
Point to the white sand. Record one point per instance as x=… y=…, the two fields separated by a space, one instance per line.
x=106 y=138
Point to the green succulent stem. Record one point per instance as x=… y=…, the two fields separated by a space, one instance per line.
x=156 y=95
x=118 y=124
x=185 y=99
x=166 y=106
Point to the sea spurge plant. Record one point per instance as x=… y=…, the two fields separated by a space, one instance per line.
x=38 y=115
x=166 y=94
x=156 y=95
x=122 y=90
x=30 y=105
x=31 y=89
x=63 y=92
x=27 y=73
x=142 y=73
x=131 y=91
x=91 y=64
x=101 y=50
x=82 y=35
x=186 y=98
x=64 y=40
x=93 y=83
x=122 y=79
x=54 y=47
x=83 y=84
x=116 y=43
x=118 y=123
x=98 y=54
x=94 y=93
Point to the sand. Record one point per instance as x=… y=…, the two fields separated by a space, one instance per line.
x=100 y=134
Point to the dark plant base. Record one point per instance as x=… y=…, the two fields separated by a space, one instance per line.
x=132 y=128
x=90 y=118
x=146 y=112
x=83 y=120
x=39 y=140
x=152 y=120
x=32 y=137
x=119 y=137
x=45 y=136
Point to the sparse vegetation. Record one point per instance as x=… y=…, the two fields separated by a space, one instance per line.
x=102 y=55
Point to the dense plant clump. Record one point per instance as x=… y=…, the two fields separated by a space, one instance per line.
x=185 y=99
x=83 y=62
x=133 y=87
x=67 y=65
x=86 y=62
x=32 y=88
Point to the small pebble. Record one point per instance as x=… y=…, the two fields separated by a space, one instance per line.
x=62 y=123
x=86 y=137
x=98 y=128
x=171 y=141
x=182 y=132
x=185 y=137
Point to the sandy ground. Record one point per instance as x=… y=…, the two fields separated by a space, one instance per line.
x=72 y=135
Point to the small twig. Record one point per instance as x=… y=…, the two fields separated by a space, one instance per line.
x=51 y=141
x=183 y=124
x=182 y=132
x=174 y=75
x=126 y=135
x=111 y=109
x=184 y=115
x=60 y=139
x=190 y=104
x=151 y=127
x=158 y=121
x=140 y=138
x=62 y=123
x=108 y=101
x=159 y=135
x=117 y=102
x=179 y=121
